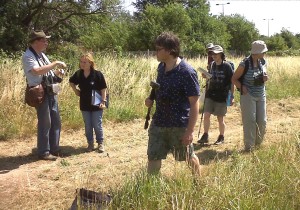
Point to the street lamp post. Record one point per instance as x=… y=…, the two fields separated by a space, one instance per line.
x=268 y=19
x=223 y=6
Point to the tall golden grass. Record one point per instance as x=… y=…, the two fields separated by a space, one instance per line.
x=265 y=179
x=128 y=81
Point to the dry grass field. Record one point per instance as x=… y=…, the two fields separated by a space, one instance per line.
x=28 y=183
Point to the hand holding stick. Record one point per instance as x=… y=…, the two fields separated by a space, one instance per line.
x=155 y=86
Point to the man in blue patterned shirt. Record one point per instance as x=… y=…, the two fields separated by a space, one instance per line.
x=177 y=107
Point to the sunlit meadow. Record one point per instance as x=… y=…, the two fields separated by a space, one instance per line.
x=128 y=81
x=265 y=179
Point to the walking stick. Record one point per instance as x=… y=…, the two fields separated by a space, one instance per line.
x=208 y=77
x=152 y=96
x=155 y=86
x=201 y=118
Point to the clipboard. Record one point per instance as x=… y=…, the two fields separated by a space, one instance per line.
x=96 y=98
x=203 y=71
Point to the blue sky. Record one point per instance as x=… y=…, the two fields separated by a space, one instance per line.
x=277 y=14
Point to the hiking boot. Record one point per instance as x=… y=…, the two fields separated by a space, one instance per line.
x=100 y=148
x=90 y=147
x=47 y=156
x=57 y=153
x=220 y=140
x=203 y=139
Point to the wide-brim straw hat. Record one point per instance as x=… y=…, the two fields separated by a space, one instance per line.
x=37 y=35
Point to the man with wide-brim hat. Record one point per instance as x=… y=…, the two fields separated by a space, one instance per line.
x=34 y=35
x=36 y=67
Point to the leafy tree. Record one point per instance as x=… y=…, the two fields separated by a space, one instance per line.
x=290 y=40
x=19 y=17
x=298 y=37
x=276 y=43
x=141 y=5
x=205 y=29
x=106 y=32
x=242 y=32
x=189 y=19
x=154 y=20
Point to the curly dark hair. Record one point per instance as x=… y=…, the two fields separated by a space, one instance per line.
x=170 y=42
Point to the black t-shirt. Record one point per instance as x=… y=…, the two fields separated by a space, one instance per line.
x=95 y=81
x=220 y=83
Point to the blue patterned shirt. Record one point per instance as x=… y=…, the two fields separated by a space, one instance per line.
x=172 y=103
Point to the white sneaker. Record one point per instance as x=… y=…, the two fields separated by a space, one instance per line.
x=100 y=148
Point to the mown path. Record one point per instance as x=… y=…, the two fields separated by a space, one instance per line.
x=28 y=183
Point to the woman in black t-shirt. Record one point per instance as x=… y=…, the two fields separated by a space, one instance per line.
x=86 y=82
x=217 y=91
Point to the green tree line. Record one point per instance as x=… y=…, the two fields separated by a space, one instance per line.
x=104 y=25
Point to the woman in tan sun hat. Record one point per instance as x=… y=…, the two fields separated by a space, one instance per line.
x=250 y=78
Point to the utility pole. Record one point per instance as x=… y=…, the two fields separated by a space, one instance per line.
x=268 y=19
x=223 y=6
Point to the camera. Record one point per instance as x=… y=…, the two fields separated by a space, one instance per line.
x=56 y=79
x=53 y=89
x=258 y=79
x=51 y=84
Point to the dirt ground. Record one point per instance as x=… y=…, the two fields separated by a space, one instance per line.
x=29 y=183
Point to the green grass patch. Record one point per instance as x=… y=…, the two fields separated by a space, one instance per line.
x=286 y=87
x=265 y=179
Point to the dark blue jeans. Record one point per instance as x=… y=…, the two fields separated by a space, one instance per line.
x=93 y=121
x=49 y=125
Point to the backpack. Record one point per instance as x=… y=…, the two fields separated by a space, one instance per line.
x=247 y=61
x=87 y=199
x=231 y=64
x=220 y=96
